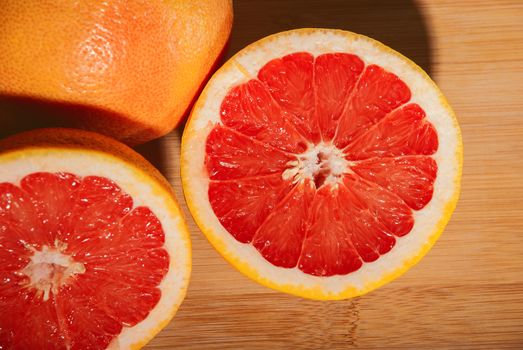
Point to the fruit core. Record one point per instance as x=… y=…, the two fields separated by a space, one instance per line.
x=49 y=269
x=324 y=164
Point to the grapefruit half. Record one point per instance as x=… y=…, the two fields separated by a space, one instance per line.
x=94 y=251
x=321 y=163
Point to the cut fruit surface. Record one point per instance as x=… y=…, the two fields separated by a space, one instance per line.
x=321 y=163
x=94 y=251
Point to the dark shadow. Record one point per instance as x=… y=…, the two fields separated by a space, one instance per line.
x=19 y=114
x=161 y=152
x=398 y=24
x=155 y=152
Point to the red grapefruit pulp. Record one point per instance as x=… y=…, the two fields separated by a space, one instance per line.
x=319 y=162
x=81 y=262
x=94 y=252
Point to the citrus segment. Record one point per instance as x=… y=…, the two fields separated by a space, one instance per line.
x=231 y=155
x=49 y=195
x=290 y=82
x=250 y=110
x=335 y=75
x=86 y=325
x=392 y=214
x=15 y=213
x=409 y=177
x=242 y=205
x=327 y=249
x=352 y=138
x=378 y=92
x=98 y=206
x=290 y=214
x=404 y=132
x=36 y=321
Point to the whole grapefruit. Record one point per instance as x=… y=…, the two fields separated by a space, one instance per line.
x=128 y=69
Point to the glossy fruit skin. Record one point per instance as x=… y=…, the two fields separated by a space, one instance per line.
x=127 y=68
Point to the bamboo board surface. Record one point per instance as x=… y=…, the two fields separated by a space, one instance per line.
x=468 y=291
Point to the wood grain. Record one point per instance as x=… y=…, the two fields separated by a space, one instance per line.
x=468 y=291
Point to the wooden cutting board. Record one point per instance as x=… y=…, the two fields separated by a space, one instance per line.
x=468 y=291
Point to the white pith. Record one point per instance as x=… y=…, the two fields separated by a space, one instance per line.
x=145 y=192
x=245 y=66
x=318 y=158
x=49 y=269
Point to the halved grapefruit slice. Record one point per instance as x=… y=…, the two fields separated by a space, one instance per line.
x=94 y=251
x=321 y=163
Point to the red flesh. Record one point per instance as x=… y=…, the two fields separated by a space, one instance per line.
x=120 y=246
x=299 y=100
